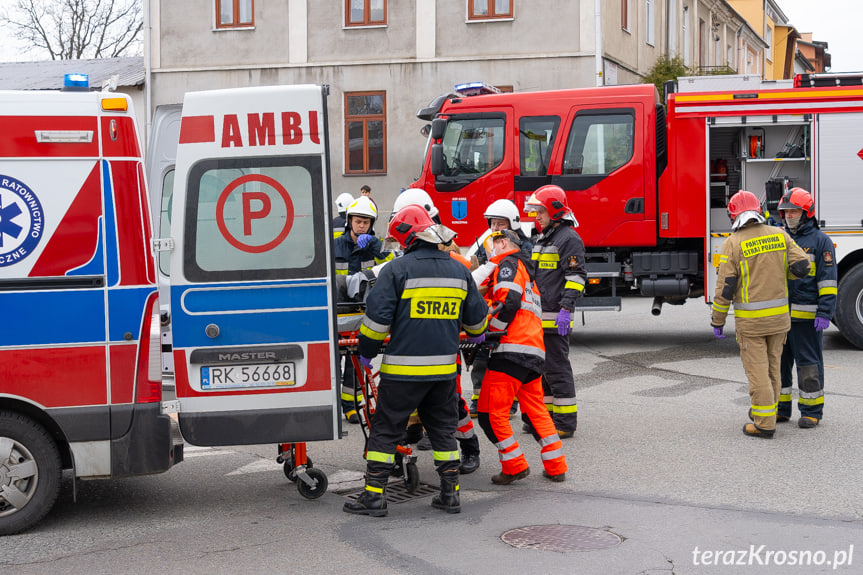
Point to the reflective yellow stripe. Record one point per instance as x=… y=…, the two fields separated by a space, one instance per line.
x=803 y=314
x=380 y=457
x=828 y=291
x=341 y=272
x=720 y=308
x=410 y=293
x=372 y=334
x=545 y=257
x=564 y=408
x=785 y=397
x=476 y=329
x=338 y=233
x=374 y=489
x=761 y=312
x=573 y=285
x=723 y=258
x=447 y=369
x=816 y=401
x=379 y=261
x=744 y=273
x=445 y=455
x=764 y=410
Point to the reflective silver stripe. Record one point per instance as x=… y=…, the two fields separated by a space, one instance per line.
x=564 y=401
x=341 y=265
x=785 y=391
x=464 y=421
x=549 y=315
x=497 y=324
x=812 y=395
x=436 y=283
x=464 y=434
x=553 y=454
x=548 y=440
x=517 y=452
x=375 y=326
x=510 y=286
x=519 y=348
x=547 y=399
x=421 y=360
x=579 y=279
x=367 y=264
x=762 y=304
x=503 y=444
x=477 y=327
x=545 y=249
x=827 y=283
x=534 y=309
x=798 y=307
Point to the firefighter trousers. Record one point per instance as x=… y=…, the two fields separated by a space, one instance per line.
x=351 y=395
x=805 y=349
x=435 y=402
x=558 y=385
x=503 y=382
x=761 y=356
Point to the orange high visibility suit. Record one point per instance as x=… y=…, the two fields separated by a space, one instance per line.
x=515 y=367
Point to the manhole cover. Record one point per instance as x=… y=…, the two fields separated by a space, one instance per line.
x=396 y=492
x=560 y=538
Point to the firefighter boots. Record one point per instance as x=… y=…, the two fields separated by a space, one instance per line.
x=559 y=478
x=469 y=463
x=752 y=431
x=505 y=478
x=372 y=501
x=806 y=422
x=448 y=500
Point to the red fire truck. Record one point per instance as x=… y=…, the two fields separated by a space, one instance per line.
x=649 y=184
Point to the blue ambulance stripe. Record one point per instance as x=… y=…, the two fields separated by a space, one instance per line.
x=125 y=308
x=96 y=265
x=252 y=298
x=52 y=317
x=251 y=328
x=110 y=226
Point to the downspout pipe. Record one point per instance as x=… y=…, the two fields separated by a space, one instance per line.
x=597 y=10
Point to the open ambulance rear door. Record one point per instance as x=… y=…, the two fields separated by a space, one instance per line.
x=254 y=336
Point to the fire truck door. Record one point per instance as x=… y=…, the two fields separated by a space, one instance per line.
x=251 y=270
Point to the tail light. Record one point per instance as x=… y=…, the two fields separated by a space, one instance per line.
x=148 y=384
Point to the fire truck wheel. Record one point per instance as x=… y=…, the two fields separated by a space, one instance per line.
x=290 y=471
x=849 y=306
x=319 y=489
x=29 y=472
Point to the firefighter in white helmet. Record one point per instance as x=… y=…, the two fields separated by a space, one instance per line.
x=340 y=221
x=355 y=251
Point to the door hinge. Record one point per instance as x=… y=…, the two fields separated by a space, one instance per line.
x=163 y=244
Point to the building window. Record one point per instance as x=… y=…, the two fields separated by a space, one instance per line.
x=702 y=43
x=768 y=37
x=365 y=12
x=687 y=41
x=365 y=132
x=650 y=21
x=488 y=9
x=235 y=13
x=625 y=11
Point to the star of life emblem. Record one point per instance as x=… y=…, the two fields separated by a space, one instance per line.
x=21 y=221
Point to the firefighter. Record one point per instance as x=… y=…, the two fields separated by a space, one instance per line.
x=355 y=251
x=558 y=253
x=500 y=215
x=422 y=300
x=339 y=222
x=516 y=364
x=465 y=433
x=753 y=266
x=813 y=301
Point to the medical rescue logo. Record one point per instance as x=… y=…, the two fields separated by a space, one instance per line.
x=21 y=221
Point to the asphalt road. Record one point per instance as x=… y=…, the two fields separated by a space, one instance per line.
x=661 y=478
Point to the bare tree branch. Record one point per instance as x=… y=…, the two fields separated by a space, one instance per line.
x=72 y=29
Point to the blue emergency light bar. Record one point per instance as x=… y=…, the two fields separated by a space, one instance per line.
x=76 y=83
x=476 y=89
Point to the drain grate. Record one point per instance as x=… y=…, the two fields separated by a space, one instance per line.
x=560 y=538
x=397 y=492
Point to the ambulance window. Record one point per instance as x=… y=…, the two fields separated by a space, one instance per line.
x=535 y=143
x=255 y=218
x=165 y=220
x=472 y=146
x=599 y=143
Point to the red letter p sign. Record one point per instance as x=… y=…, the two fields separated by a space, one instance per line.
x=249 y=213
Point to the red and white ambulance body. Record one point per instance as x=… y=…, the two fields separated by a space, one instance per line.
x=80 y=386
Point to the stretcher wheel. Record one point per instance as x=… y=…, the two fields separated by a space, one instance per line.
x=310 y=492
x=412 y=477
x=289 y=470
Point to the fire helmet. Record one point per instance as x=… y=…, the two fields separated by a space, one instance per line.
x=798 y=199
x=343 y=201
x=415 y=197
x=407 y=223
x=743 y=201
x=553 y=199
x=504 y=209
x=364 y=207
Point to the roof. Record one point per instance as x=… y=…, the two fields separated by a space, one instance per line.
x=48 y=75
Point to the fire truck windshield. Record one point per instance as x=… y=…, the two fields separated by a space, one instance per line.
x=472 y=145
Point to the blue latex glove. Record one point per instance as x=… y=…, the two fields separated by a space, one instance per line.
x=365 y=362
x=717 y=331
x=477 y=339
x=363 y=240
x=821 y=323
x=563 y=319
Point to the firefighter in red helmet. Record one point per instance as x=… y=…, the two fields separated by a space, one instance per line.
x=422 y=299
x=813 y=301
x=753 y=264
x=558 y=254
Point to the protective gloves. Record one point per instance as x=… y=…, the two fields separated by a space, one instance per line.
x=563 y=319
x=477 y=339
x=365 y=362
x=821 y=323
x=717 y=331
x=363 y=240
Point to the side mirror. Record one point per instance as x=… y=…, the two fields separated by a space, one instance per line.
x=438 y=127
x=437 y=159
x=425 y=130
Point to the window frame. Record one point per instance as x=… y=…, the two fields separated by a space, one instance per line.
x=367 y=15
x=236 y=11
x=650 y=22
x=492 y=11
x=626 y=15
x=365 y=119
